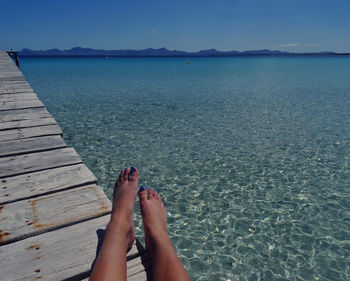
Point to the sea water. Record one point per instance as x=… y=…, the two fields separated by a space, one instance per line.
x=250 y=154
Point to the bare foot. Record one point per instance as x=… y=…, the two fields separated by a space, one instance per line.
x=124 y=196
x=153 y=215
x=165 y=263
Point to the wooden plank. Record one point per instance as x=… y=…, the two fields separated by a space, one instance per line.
x=20 y=104
x=27 y=218
x=24 y=133
x=57 y=255
x=23 y=164
x=18 y=97
x=44 y=182
x=27 y=123
x=24 y=114
x=14 y=84
x=17 y=90
x=6 y=86
x=22 y=146
x=13 y=69
x=17 y=77
x=11 y=73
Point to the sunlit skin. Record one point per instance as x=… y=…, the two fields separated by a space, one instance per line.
x=111 y=262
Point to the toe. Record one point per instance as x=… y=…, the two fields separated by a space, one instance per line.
x=134 y=174
x=126 y=174
x=142 y=194
x=150 y=193
x=119 y=178
x=157 y=195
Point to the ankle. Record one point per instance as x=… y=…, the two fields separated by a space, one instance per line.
x=118 y=223
x=158 y=236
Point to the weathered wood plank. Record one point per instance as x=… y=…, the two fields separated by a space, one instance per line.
x=18 y=97
x=44 y=182
x=6 y=86
x=11 y=73
x=16 y=77
x=30 y=217
x=56 y=255
x=27 y=123
x=24 y=114
x=20 y=104
x=24 y=133
x=14 y=84
x=23 y=164
x=22 y=146
x=14 y=91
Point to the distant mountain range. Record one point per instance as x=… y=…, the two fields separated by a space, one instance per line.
x=162 y=52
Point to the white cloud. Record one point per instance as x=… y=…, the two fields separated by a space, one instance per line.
x=286 y=45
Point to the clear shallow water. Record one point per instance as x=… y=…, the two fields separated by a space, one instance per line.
x=251 y=155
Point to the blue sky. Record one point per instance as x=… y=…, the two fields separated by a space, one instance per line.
x=308 y=25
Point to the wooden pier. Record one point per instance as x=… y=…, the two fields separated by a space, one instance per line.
x=52 y=212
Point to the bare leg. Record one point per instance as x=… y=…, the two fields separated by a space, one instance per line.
x=165 y=263
x=120 y=234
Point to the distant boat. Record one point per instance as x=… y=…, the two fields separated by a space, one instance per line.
x=106 y=57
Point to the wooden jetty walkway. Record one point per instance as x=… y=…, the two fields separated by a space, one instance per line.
x=52 y=212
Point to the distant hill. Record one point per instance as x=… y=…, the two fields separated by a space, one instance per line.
x=162 y=52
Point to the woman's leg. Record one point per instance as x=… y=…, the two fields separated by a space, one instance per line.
x=165 y=263
x=111 y=261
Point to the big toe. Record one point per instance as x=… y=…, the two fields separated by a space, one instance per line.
x=142 y=194
x=133 y=174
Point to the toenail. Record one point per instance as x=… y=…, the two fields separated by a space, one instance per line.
x=150 y=188
x=132 y=169
x=142 y=188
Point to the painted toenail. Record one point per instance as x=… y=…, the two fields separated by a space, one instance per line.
x=150 y=188
x=142 y=188
x=132 y=170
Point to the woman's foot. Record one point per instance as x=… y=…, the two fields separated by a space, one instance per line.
x=153 y=215
x=124 y=196
x=165 y=263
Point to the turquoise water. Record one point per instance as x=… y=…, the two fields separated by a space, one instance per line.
x=251 y=155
